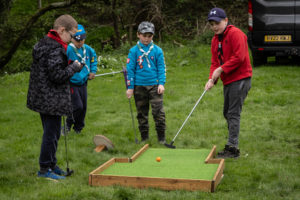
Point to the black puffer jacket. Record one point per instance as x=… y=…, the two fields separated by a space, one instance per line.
x=49 y=89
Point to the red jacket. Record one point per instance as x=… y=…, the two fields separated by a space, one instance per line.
x=235 y=57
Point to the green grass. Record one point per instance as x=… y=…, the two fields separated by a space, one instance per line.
x=269 y=138
x=175 y=163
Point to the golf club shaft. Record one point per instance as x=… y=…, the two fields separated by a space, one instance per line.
x=65 y=136
x=133 y=125
x=189 y=115
x=132 y=118
x=104 y=74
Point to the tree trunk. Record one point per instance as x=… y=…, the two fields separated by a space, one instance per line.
x=40 y=4
x=6 y=58
x=4 y=9
x=115 y=23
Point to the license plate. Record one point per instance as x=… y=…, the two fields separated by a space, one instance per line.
x=278 y=38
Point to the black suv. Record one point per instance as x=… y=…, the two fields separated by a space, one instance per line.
x=274 y=29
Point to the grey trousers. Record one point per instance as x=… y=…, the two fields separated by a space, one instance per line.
x=234 y=95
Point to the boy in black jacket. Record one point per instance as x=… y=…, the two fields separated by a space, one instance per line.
x=49 y=89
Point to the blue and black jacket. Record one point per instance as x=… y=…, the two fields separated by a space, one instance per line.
x=144 y=74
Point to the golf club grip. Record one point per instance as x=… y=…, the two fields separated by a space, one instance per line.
x=125 y=77
x=189 y=115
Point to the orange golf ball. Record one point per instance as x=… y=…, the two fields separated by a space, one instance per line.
x=158 y=159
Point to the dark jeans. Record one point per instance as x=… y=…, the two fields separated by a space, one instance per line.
x=144 y=96
x=79 y=102
x=234 y=95
x=51 y=126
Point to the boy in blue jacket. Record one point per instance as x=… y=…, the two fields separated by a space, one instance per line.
x=77 y=50
x=146 y=76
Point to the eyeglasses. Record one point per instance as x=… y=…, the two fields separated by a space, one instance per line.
x=71 y=35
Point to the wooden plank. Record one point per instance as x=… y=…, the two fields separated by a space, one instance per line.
x=146 y=182
x=137 y=154
x=122 y=160
x=211 y=154
x=214 y=161
x=103 y=166
x=99 y=148
x=219 y=173
x=90 y=179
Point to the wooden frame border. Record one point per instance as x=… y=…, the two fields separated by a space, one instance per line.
x=140 y=152
x=96 y=179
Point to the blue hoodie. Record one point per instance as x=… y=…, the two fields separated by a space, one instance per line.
x=143 y=74
x=81 y=77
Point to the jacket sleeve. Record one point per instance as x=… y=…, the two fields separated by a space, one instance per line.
x=131 y=65
x=94 y=61
x=58 y=72
x=237 y=56
x=161 y=68
x=214 y=57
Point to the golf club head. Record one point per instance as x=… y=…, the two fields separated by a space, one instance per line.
x=171 y=146
x=69 y=172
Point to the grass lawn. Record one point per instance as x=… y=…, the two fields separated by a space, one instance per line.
x=269 y=138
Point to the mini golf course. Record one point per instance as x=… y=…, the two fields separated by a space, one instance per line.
x=188 y=169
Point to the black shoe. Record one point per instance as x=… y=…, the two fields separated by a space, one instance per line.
x=229 y=152
x=162 y=142
x=77 y=131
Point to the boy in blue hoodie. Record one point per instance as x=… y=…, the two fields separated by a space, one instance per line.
x=77 y=50
x=146 y=76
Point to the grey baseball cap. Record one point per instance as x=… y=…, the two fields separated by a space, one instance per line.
x=146 y=27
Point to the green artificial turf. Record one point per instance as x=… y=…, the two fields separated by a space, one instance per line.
x=175 y=163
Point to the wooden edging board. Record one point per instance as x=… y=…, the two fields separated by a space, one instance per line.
x=97 y=179
x=137 y=154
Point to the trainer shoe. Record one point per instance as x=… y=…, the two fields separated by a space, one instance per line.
x=59 y=171
x=229 y=152
x=50 y=175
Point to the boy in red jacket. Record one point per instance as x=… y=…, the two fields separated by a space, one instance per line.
x=230 y=61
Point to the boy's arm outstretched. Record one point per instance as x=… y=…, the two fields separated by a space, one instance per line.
x=130 y=67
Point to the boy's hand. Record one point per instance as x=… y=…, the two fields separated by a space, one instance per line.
x=91 y=76
x=161 y=89
x=209 y=84
x=129 y=93
x=217 y=73
x=78 y=66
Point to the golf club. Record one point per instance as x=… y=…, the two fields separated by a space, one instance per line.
x=105 y=74
x=172 y=142
x=129 y=101
x=69 y=172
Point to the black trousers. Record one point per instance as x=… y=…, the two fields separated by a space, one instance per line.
x=234 y=95
x=79 y=102
x=51 y=126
